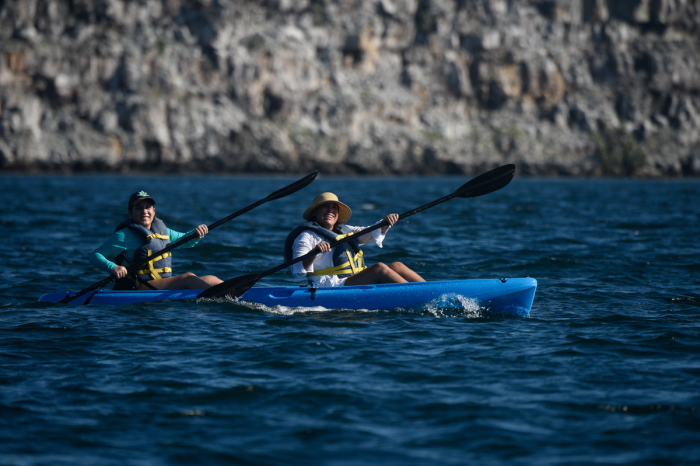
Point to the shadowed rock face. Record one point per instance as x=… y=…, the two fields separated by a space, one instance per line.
x=558 y=87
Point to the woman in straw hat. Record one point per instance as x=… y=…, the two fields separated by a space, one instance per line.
x=326 y=217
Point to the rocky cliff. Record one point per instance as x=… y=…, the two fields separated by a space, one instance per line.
x=569 y=87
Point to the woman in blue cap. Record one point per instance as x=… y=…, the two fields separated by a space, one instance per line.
x=143 y=235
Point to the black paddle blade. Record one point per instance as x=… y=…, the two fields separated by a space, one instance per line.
x=292 y=188
x=488 y=182
x=231 y=288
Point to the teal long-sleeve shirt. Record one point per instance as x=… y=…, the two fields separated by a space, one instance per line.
x=128 y=241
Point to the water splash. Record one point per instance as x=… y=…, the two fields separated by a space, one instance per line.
x=288 y=310
x=448 y=305
x=454 y=305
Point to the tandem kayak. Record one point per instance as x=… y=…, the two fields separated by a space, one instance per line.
x=511 y=296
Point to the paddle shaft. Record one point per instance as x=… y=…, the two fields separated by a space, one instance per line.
x=470 y=189
x=292 y=188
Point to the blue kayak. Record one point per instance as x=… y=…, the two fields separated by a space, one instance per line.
x=511 y=296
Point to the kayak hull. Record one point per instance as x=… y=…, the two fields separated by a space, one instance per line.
x=511 y=296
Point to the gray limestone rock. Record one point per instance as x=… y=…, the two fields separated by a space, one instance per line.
x=558 y=87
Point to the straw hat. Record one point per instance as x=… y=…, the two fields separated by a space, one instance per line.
x=344 y=211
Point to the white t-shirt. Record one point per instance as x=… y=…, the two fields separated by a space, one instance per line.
x=307 y=240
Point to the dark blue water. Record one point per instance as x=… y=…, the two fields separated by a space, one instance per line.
x=605 y=370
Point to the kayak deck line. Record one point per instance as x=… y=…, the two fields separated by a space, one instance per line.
x=512 y=296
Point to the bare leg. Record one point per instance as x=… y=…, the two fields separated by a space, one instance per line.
x=211 y=279
x=186 y=281
x=406 y=273
x=375 y=274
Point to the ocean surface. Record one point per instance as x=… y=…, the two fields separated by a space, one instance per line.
x=605 y=370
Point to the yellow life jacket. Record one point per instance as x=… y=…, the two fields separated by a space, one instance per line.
x=157 y=238
x=347 y=260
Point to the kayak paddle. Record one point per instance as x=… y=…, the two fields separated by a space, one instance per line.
x=286 y=191
x=483 y=184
